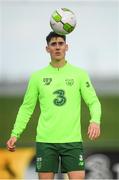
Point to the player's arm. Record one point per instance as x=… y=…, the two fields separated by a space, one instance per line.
x=25 y=111
x=92 y=101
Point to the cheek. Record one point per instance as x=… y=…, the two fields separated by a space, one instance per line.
x=64 y=50
x=51 y=51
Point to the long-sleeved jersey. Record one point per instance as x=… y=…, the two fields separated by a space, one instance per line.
x=59 y=91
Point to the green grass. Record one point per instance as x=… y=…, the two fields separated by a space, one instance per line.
x=109 y=127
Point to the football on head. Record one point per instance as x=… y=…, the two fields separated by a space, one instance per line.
x=63 y=21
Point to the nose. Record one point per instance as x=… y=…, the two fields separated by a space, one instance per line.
x=57 y=46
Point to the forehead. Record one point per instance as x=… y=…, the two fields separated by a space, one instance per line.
x=57 y=39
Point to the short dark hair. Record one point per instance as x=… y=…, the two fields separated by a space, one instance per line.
x=52 y=34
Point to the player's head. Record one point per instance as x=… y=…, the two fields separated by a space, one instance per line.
x=56 y=45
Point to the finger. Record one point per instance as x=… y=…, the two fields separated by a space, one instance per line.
x=95 y=134
x=10 y=144
x=91 y=136
x=89 y=129
x=91 y=133
x=11 y=148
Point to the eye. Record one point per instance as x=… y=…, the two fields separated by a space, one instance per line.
x=53 y=44
x=61 y=43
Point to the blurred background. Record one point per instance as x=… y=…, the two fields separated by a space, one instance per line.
x=93 y=45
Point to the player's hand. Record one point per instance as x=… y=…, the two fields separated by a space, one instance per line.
x=11 y=144
x=93 y=130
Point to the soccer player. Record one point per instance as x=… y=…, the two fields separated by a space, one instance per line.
x=59 y=88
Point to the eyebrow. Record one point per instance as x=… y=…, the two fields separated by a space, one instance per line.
x=54 y=43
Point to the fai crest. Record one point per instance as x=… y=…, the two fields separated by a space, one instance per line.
x=47 y=81
x=69 y=82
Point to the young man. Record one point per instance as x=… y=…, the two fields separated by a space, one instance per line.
x=59 y=88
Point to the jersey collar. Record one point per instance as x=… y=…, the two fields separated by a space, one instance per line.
x=60 y=68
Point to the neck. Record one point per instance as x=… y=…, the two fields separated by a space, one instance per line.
x=58 y=63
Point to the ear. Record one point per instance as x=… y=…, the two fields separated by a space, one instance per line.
x=47 y=49
x=67 y=47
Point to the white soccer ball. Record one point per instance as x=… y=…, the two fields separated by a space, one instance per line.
x=63 y=21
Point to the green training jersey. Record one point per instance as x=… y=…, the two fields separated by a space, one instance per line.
x=59 y=91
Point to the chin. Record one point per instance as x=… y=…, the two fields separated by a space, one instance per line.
x=58 y=59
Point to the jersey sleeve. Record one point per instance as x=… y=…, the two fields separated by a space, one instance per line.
x=27 y=108
x=89 y=95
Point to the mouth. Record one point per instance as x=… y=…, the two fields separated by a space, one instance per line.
x=57 y=53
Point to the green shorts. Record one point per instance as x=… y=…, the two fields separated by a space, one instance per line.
x=67 y=156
